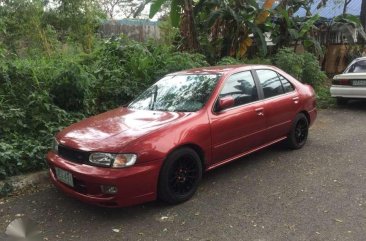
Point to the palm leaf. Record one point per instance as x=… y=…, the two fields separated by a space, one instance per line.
x=155 y=7
x=308 y=24
x=260 y=38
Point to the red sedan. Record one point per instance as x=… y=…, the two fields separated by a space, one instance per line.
x=185 y=124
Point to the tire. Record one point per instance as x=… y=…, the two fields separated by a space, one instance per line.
x=179 y=176
x=342 y=101
x=299 y=132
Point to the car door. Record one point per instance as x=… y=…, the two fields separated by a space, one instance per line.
x=281 y=103
x=237 y=129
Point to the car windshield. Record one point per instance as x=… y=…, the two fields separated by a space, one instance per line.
x=358 y=67
x=181 y=93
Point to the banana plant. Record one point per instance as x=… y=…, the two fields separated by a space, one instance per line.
x=237 y=24
x=291 y=30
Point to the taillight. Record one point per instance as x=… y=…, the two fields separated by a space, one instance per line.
x=341 y=82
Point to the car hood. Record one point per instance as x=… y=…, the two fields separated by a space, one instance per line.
x=114 y=129
x=351 y=76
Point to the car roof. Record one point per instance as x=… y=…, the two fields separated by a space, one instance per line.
x=223 y=69
x=360 y=58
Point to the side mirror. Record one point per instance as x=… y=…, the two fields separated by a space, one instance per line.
x=225 y=103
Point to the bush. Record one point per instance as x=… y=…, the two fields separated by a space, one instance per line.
x=289 y=61
x=28 y=117
x=234 y=61
x=304 y=67
x=40 y=96
x=123 y=68
x=70 y=88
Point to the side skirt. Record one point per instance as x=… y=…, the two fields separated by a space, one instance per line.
x=243 y=154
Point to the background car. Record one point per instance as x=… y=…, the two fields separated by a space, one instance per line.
x=185 y=124
x=351 y=84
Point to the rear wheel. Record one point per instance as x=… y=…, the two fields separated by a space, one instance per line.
x=179 y=176
x=299 y=132
x=342 y=101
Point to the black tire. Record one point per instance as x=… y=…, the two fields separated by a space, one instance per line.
x=179 y=176
x=342 y=101
x=299 y=132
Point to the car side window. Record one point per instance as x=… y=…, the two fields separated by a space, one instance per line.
x=287 y=86
x=241 y=87
x=270 y=83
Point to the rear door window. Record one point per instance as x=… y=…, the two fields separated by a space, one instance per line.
x=287 y=86
x=270 y=83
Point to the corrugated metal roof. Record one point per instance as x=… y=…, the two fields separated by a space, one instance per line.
x=333 y=8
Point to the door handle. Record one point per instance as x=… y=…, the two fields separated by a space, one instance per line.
x=296 y=99
x=260 y=111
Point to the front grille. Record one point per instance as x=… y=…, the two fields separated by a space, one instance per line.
x=73 y=155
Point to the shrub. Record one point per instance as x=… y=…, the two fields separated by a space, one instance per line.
x=28 y=117
x=289 y=61
x=304 y=67
x=70 y=88
x=234 y=61
x=123 y=68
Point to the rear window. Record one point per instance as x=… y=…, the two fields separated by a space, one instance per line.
x=358 y=67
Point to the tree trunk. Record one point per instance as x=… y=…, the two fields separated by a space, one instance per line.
x=363 y=14
x=188 y=27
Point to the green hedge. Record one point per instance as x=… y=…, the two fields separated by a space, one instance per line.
x=40 y=96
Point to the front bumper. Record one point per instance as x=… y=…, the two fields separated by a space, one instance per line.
x=136 y=184
x=344 y=91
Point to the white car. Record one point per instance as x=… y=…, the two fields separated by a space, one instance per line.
x=352 y=83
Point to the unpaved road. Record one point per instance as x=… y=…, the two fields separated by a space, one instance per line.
x=316 y=193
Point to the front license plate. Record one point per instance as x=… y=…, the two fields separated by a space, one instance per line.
x=359 y=82
x=64 y=176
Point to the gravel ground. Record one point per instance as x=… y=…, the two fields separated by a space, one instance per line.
x=316 y=193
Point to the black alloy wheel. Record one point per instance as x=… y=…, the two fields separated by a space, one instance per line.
x=180 y=176
x=299 y=132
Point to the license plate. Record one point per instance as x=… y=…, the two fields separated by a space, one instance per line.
x=359 y=82
x=64 y=176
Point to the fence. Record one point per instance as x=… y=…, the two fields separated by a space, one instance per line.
x=137 y=29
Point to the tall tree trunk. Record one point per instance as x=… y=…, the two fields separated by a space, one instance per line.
x=188 y=27
x=363 y=14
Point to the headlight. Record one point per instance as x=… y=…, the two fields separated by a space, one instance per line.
x=54 y=145
x=112 y=160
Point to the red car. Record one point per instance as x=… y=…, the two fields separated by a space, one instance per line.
x=185 y=124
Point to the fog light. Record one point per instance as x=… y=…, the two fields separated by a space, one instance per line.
x=106 y=189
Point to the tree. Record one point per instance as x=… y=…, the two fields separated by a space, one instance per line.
x=116 y=7
x=346 y=3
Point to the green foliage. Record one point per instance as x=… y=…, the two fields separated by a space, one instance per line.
x=234 y=61
x=290 y=62
x=304 y=67
x=123 y=68
x=28 y=117
x=70 y=88
x=40 y=96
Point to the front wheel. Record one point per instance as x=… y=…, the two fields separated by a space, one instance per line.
x=179 y=176
x=299 y=132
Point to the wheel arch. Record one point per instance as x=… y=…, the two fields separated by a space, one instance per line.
x=195 y=148
x=306 y=115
